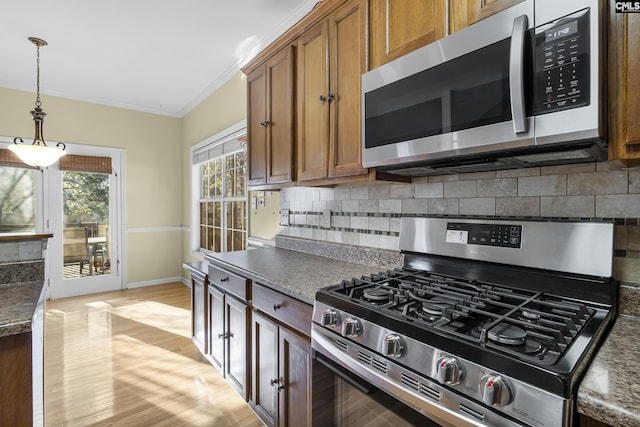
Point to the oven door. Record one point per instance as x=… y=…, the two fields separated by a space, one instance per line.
x=343 y=399
x=351 y=385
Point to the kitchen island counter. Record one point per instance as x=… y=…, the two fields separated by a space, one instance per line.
x=610 y=391
x=17 y=305
x=293 y=273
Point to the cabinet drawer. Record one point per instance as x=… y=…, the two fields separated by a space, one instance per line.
x=229 y=282
x=293 y=313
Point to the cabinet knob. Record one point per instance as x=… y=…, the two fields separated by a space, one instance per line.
x=277 y=307
x=274 y=381
x=331 y=96
x=222 y=336
x=323 y=99
x=224 y=279
x=264 y=123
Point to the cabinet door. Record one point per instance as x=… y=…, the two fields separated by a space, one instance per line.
x=401 y=26
x=463 y=13
x=198 y=296
x=236 y=367
x=490 y=7
x=295 y=371
x=216 y=327
x=347 y=63
x=256 y=129
x=280 y=83
x=265 y=369
x=624 y=86
x=312 y=141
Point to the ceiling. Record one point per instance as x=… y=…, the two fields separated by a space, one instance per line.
x=157 y=56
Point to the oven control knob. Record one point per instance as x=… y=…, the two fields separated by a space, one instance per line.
x=495 y=391
x=449 y=371
x=351 y=328
x=329 y=318
x=392 y=345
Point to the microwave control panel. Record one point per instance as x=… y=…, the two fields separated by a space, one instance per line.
x=562 y=63
x=501 y=235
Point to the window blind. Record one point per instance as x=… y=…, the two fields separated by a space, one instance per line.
x=217 y=149
x=93 y=164
x=9 y=158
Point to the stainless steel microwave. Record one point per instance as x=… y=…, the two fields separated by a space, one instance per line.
x=523 y=87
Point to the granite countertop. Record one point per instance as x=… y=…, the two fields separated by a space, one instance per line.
x=17 y=305
x=610 y=391
x=296 y=274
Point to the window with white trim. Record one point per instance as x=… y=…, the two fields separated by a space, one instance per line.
x=222 y=195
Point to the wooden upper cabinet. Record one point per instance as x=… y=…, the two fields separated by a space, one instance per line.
x=624 y=86
x=401 y=26
x=256 y=132
x=270 y=120
x=330 y=59
x=346 y=34
x=463 y=13
x=312 y=104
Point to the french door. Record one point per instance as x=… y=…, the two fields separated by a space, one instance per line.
x=84 y=211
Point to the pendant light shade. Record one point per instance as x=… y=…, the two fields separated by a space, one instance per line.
x=37 y=154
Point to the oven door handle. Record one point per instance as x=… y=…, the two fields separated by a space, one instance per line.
x=360 y=384
x=516 y=73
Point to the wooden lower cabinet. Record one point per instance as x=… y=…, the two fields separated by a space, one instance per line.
x=281 y=374
x=16 y=403
x=199 y=284
x=229 y=338
x=590 y=422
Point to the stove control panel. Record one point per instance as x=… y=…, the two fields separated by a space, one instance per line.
x=501 y=235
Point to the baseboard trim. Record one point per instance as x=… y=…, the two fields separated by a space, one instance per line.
x=155 y=282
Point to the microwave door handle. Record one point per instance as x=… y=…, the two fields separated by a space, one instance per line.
x=516 y=73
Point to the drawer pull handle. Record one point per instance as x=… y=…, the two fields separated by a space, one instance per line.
x=223 y=336
x=224 y=279
x=277 y=307
x=274 y=381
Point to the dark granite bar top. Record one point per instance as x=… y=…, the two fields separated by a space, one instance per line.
x=293 y=273
x=17 y=305
x=610 y=391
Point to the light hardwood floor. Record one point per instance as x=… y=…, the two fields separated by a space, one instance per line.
x=125 y=358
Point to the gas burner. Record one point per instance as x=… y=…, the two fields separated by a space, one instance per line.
x=504 y=333
x=377 y=295
x=436 y=306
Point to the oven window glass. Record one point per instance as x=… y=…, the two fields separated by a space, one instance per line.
x=466 y=92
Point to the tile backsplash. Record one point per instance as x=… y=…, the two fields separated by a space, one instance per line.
x=369 y=214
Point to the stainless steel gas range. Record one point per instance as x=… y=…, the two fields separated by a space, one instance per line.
x=488 y=322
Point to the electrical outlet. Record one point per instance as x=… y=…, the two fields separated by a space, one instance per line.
x=325 y=219
x=284 y=217
x=261 y=202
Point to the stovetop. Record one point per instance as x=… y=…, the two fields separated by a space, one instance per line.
x=533 y=326
x=529 y=299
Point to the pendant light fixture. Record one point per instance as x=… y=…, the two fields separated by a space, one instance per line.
x=37 y=154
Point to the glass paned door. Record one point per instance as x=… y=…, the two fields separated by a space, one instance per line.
x=85 y=216
x=85 y=202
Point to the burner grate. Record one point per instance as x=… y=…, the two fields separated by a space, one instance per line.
x=530 y=325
